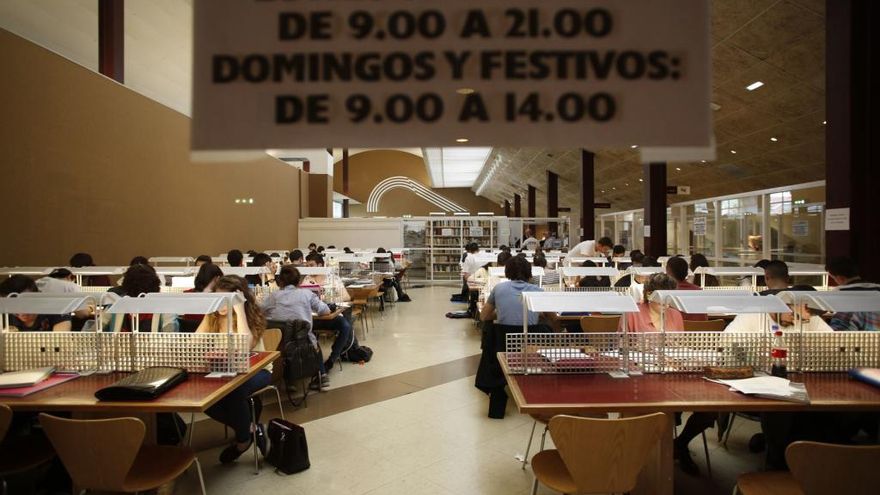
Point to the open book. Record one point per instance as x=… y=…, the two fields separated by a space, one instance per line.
x=24 y=378
x=768 y=387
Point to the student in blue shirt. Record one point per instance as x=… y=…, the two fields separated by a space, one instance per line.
x=504 y=306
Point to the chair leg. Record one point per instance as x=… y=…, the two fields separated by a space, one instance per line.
x=280 y=407
x=544 y=436
x=201 y=478
x=529 y=445
x=535 y=486
x=254 y=437
x=729 y=429
x=706 y=451
x=192 y=428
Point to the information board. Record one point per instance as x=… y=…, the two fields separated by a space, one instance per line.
x=344 y=73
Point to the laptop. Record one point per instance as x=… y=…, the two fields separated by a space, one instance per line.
x=25 y=378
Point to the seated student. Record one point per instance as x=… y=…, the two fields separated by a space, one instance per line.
x=618 y=251
x=339 y=290
x=481 y=275
x=586 y=282
x=759 y=281
x=235 y=258
x=648 y=317
x=262 y=259
x=552 y=242
x=296 y=258
x=59 y=281
x=312 y=247
x=80 y=260
x=293 y=303
x=342 y=323
x=390 y=265
x=776 y=277
x=202 y=259
x=697 y=261
x=637 y=258
x=504 y=306
x=234 y=409
x=551 y=277
x=142 y=279
x=320 y=250
x=205 y=281
x=469 y=265
x=845 y=274
x=139 y=260
x=347 y=250
x=677 y=269
x=18 y=284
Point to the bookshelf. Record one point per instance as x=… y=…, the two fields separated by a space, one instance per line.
x=449 y=236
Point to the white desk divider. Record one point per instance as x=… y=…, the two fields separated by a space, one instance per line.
x=587 y=271
x=243 y=271
x=496 y=271
x=700 y=302
x=806 y=270
x=349 y=258
x=578 y=261
x=92 y=271
x=187 y=260
x=537 y=271
x=44 y=304
x=26 y=270
x=644 y=270
x=565 y=302
x=183 y=282
x=175 y=271
x=315 y=270
x=219 y=260
x=484 y=258
x=836 y=301
x=730 y=271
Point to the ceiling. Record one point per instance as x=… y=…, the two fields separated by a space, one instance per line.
x=779 y=42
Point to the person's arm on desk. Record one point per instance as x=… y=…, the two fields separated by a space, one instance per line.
x=318 y=306
x=488 y=311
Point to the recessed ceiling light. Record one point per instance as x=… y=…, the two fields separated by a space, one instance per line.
x=465 y=91
x=755 y=85
x=634 y=146
x=702 y=161
x=603 y=190
x=614 y=188
x=251 y=201
x=773 y=139
x=823 y=122
x=678 y=169
x=461 y=140
x=733 y=151
x=627 y=184
x=641 y=180
x=237 y=201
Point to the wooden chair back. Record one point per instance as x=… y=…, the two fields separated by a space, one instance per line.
x=360 y=293
x=606 y=455
x=826 y=469
x=5 y=420
x=97 y=453
x=704 y=326
x=271 y=339
x=600 y=323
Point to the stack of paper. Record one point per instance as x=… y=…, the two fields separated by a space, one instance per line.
x=768 y=387
x=567 y=353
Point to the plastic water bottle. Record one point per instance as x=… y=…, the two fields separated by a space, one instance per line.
x=778 y=354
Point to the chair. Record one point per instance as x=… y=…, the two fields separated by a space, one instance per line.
x=600 y=323
x=359 y=304
x=544 y=420
x=597 y=455
x=704 y=326
x=819 y=469
x=109 y=454
x=20 y=454
x=271 y=341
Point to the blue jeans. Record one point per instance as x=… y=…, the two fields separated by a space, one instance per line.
x=234 y=410
x=343 y=330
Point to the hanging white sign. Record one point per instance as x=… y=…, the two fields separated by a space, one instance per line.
x=396 y=73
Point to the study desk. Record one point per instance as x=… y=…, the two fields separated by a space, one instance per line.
x=669 y=393
x=196 y=394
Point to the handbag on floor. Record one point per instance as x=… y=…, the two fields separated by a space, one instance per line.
x=288 y=449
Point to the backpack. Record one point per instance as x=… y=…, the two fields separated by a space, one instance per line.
x=299 y=358
x=359 y=353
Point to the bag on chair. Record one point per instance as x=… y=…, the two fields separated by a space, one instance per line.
x=288 y=450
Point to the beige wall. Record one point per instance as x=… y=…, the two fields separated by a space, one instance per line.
x=320 y=196
x=371 y=167
x=88 y=165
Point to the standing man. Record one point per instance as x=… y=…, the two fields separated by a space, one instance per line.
x=592 y=249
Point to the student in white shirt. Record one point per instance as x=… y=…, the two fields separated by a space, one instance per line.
x=530 y=243
x=592 y=249
x=761 y=322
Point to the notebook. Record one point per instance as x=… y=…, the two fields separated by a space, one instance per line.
x=768 y=387
x=25 y=378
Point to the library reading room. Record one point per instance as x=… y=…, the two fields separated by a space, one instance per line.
x=509 y=247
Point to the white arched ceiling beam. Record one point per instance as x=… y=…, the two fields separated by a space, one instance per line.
x=400 y=182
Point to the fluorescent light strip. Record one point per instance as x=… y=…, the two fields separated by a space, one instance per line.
x=755 y=85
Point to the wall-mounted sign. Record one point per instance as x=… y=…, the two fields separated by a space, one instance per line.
x=647 y=231
x=602 y=205
x=800 y=228
x=699 y=225
x=680 y=190
x=837 y=219
x=403 y=73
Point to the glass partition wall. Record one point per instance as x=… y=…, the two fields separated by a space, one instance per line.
x=785 y=223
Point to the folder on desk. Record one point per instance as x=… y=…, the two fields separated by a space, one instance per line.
x=25 y=378
x=146 y=384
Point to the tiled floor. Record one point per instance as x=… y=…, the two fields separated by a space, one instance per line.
x=434 y=440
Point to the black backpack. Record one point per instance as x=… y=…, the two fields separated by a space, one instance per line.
x=359 y=353
x=299 y=358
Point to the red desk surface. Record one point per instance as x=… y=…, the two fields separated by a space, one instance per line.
x=194 y=395
x=677 y=392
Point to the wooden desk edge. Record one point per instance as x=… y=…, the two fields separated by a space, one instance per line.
x=147 y=406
